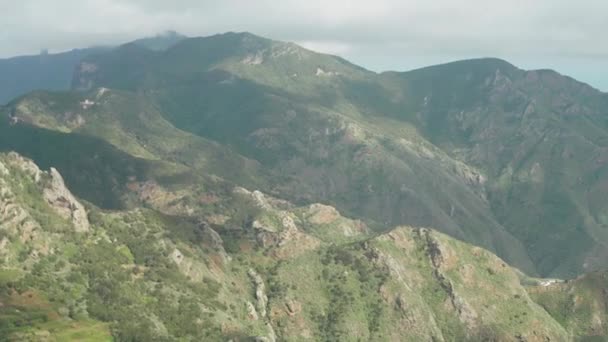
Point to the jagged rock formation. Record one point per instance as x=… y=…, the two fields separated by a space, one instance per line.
x=215 y=240
x=66 y=205
x=54 y=190
x=408 y=283
x=510 y=160
x=260 y=294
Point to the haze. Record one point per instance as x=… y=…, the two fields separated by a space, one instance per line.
x=380 y=35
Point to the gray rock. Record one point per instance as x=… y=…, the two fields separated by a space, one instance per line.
x=64 y=203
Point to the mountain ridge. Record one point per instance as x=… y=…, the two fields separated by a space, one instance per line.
x=344 y=166
x=54 y=71
x=443 y=105
x=410 y=283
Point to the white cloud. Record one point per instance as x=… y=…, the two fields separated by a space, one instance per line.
x=325 y=46
x=363 y=30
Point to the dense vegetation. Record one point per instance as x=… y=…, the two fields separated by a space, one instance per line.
x=270 y=269
x=501 y=157
x=162 y=138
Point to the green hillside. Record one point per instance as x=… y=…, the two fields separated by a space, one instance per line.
x=237 y=188
x=488 y=153
x=251 y=266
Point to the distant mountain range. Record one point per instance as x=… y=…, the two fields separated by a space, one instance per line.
x=201 y=163
x=21 y=75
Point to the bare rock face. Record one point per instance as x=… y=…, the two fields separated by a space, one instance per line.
x=260 y=294
x=252 y=313
x=257 y=196
x=322 y=214
x=286 y=241
x=64 y=203
x=177 y=256
x=84 y=77
x=216 y=242
x=55 y=192
x=254 y=58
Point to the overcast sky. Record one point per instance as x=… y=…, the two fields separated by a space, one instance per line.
x=565 y=35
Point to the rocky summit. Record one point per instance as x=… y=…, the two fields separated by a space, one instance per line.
x=237 y=188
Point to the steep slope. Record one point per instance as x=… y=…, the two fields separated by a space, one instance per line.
x=21 y=75
x=95 y=169
x=59 y=280
x=269 y=270
x=507 y=159
x=580 y=305
x=496 y=147
x=539 y=138
x=131 y=123
x=293 y=110
x=408 y=285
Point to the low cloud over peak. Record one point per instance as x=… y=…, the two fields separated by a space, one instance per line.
x=381 y=34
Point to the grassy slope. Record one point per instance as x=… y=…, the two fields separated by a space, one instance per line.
x=299 y=113
x=538 y=136
x=122 y=277
x=579 y=305
x=471 y=148
x=96 y=170
x=325 y=278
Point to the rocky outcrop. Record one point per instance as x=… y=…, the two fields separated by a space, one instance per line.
x=64 y=203
x=214 y=239
x=192 y=268
x=275 y=228
x=286 y=240
x=25 y=165
x=322 y=72
x=177 y=256
x=322 y=214
x=84 y=77
x=260 y=294
x=16 y=220
x=472 y=288
x=254 y=58
x=262 y=304
x=257 y=196
x=466 y=314
x=331 y=222
x=251 y=311
x=56 y=194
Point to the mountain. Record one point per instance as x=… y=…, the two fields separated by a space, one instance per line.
x=538 y=137
x=21 y=75
x=24 y=74
x=501 y=157
x=378 y=205
x=161 y=41
x=255 y=267
x=294 y=114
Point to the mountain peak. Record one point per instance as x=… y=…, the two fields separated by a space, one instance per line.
x=161 y=41
x=230 y=38
x=488 y=65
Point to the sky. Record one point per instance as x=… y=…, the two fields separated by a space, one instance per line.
x=565 y=35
